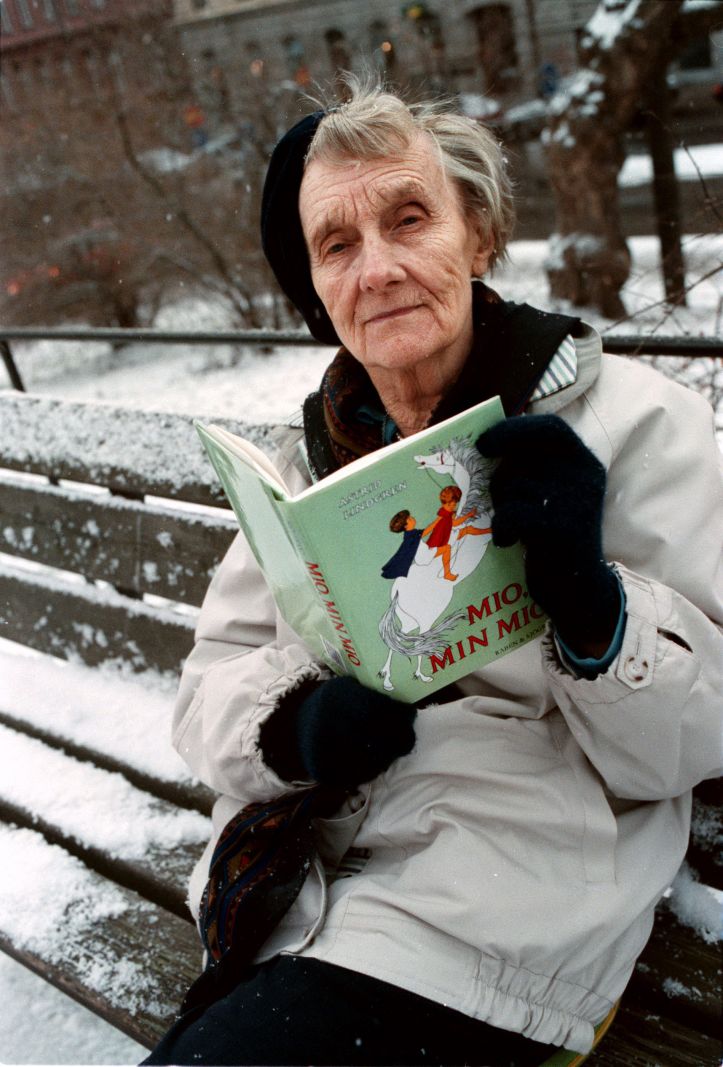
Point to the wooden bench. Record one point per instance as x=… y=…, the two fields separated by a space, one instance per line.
x=110 y=530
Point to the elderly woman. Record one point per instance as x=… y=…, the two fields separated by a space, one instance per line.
x=503 y=846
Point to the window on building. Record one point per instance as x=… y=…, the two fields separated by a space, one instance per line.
x=255 y=64
x=41 y=73
x=382 y=46
x=425 y=22
x=431 y=41
x=698 y=55
x=26 y=17
x=24 y=81
x=49 y=10
x=496 y=49
x=71 y=7
x=336 y=44
x=90 y=62
x=198 y=5
x=6 y=23
x=296 y=61
x=6 y=91
x=115 y=62
x=72 y=77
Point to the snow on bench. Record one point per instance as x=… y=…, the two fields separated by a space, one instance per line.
x=110 y=530
x=111 y=526
x=100 y=943
x=123 y=449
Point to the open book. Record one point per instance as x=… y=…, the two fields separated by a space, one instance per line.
x=386 y=568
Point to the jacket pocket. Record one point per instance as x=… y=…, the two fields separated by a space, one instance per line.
x=335 y=835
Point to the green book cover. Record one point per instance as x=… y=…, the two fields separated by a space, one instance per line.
x=386 y=568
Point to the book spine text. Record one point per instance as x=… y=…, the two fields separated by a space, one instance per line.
x=324 y=592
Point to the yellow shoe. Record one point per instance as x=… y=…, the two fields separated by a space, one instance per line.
x=563 y=1058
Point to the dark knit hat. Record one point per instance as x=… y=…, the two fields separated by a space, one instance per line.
x=282 y=237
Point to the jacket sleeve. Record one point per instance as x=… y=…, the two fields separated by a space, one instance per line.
x=244 y=660
x=652 y=723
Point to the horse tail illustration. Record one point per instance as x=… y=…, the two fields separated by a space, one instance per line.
x=431 y=642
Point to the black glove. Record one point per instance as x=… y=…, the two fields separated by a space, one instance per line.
x=337 y=732
x=548 y=492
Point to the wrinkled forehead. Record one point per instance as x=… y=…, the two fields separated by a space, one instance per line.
x=342 y=187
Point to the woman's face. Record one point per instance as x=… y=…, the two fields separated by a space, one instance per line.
x=392 y=255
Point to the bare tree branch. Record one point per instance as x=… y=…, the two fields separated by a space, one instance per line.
x=659 y=303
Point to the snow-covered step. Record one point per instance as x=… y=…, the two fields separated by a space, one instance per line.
x=139 y=840
x=125 y=958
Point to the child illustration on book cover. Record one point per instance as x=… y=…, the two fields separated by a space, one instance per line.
x=429 y=562
x=440 y=529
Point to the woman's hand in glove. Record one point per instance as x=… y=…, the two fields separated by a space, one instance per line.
x=547 y=492
x=337 y=732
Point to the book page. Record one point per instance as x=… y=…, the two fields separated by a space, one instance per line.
x=251 y=454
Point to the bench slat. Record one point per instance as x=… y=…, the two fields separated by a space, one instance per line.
x=187 y=794
x=133 y=838
x=161 y=884
x=138 y=547
x=679 y=975
x=129 y=451
x=638 y=1038
x=705 y=852
x=91 y=624
x=124 y=958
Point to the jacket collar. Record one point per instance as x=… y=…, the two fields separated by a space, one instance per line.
x=512 y=347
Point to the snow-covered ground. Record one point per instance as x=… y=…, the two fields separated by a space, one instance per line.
x=689 y=164
x=38 y=1024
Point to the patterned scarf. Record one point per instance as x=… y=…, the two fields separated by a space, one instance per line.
x=511 y=350
x=257 y=869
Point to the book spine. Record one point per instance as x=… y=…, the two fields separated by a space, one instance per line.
x=329 y=603
x=340 y=637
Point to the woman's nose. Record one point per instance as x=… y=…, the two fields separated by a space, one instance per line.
x=379 y=265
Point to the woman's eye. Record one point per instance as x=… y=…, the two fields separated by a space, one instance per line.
x=336 y=248
x=409 y=220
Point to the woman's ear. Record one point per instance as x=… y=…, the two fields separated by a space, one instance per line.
x=485 y=248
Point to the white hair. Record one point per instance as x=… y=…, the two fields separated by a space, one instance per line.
x=374 y=122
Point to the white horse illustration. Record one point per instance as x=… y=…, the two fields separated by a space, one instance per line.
x=413 y=624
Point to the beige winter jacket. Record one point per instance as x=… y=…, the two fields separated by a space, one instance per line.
x=510 y=865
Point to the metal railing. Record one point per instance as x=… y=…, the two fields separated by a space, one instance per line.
x=620 y=344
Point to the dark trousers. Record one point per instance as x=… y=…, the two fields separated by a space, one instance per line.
x=293 y=1010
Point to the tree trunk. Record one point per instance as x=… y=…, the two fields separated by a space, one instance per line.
x=666 y=192
x=624 y=43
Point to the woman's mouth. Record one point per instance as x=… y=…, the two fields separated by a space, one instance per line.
x=395 y=313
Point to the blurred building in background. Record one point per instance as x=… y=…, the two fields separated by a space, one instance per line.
x=503 y=51
x=136 y=133
x=492 y=54
x=81 y=82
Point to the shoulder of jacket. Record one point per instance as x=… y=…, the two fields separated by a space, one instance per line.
x=643 y=386
x=286 y=446
x=633 y=381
